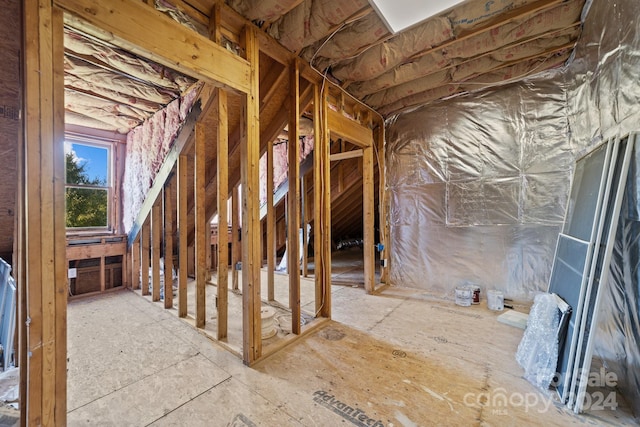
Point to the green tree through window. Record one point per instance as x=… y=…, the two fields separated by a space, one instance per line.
x=86 y=197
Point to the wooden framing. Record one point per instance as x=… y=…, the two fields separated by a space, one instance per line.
x=360 y=135
x=182 y=235
x=43 y=266
x=304 y=221
x=382 y=202
x=137 y=27
x=168 y=245
x=169 y=43
x=144 y=258
x=236 y=249
x=271 y=241
x=223 y=192
x=251 y=254
x=201 y=238
x=293 y=199
x=135 y=264
x=346 y=155
x=368 y=211
x=321 y=206
x=156 y=226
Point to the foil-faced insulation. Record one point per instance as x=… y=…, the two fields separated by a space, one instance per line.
x=478 y=185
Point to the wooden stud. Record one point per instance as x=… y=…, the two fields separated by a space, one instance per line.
x=251 y=253
x=223 y=193
x=382 y=205
x=168 y=245
x=293 y=199
x=135 y=264
x=201 y=239
x=323 y=290
x=156 y=228
x=303 y=221
x=271 y=241
x=182 y=235
x=102 y=274
x=43 y=263
x=144 y=258
x=236 y=249
x=58 y=286
x=215 y=26
x=326 y=208
x=368 y=212
x=208 y=250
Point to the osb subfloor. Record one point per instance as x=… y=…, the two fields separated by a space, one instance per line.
x=397 y=359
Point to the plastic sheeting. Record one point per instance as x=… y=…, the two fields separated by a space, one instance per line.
x=478 y=185
x=538 y=351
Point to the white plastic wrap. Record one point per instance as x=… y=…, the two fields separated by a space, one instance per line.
x=538 y=350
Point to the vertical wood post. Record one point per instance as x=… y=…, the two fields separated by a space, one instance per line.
x=382 y=200
x=201 y=239
x=293 y=200
x=43 y=200
x=223 y=194
x=368 y=212
x=156 y=226
x=236 y=249
x=135 y=264
x=182 y=235
x=317 y=200
x=271 y=243
x=144 y=258
x=168 y=245
x=304 y=221
x=251 y=253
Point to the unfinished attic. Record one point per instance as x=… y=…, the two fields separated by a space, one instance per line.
x=319 y=212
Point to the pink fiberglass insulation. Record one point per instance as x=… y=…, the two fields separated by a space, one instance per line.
x=281 y=164
x=147 y=146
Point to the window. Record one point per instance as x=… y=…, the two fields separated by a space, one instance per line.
x=88 y=184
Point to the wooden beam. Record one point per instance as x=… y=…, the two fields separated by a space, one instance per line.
x=182 y=235
x=156 y=229
x=102 y=274
x=207 y=249
x=271 y=241
x=346 y=155
x=222 y=160
x=215 y=26
x=368 y=212
x=354 y=132
x=236 y=249
x=304 y=220
x=293 y=205
x=144 y=259
x=43 y=259
x=325 y=256
x=168 y=244
x=251 y=254
x=135 y=264
x=201 y=239
x=153 y=35
x=382 y=202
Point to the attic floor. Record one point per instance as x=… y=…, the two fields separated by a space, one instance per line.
x=401 y=358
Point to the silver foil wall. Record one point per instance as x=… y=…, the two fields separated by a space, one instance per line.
x=478 y=185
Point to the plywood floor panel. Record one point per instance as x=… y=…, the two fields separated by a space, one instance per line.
x=400 y=358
